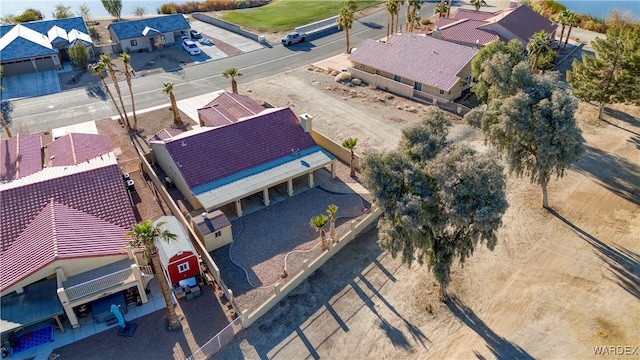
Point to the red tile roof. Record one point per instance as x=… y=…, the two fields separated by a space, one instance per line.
x=211 y=154
x=467 y=32
x=439 y=63
x=58 y=232
x=75 y=148
x=479 y=27
x=228 y=108
x=166 y=134
x=20 y=156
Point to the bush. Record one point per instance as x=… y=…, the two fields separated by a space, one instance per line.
x=547 y=61
x=209 y=5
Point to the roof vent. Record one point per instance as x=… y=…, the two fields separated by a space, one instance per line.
x=184 y=143
x=179 y=165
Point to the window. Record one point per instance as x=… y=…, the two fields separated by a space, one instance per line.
x=397 y=78
x=134 y=42
x=218 y=233
x=417 y=86
x=183 y=267
x=361 y=66
x=441 y=92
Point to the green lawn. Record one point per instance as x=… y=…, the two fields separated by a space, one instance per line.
x=285 y=15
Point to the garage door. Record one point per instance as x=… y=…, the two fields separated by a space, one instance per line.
x=17 y=68
x=45 y=64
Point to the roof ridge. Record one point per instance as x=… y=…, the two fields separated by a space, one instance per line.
x=73 y=149
x=54 y=232
x=17 y=175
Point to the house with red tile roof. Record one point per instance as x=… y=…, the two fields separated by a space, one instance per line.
x=415 y=66
x=216 y=166
x=478 y=28
x=65 y=212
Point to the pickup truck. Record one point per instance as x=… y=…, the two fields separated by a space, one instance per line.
x=292 y=38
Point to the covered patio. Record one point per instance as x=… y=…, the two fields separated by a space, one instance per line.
x=37 y=303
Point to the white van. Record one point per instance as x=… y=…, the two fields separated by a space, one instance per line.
x=190 y=47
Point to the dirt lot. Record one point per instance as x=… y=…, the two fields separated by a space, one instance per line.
x=558 y=284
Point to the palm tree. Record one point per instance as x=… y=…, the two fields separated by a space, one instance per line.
x=449 y=8
x=126 y=59
x=345 y=21
x=97 y=70
x=319 y=222
x=4 y=122
x=350 y=144
x=572 y=21
x=332 y=211
x=398 y=26
x=562 y=20
x=477 y=3
x=413 y=7
x=110 y=67
x=392 y=10
x=440 y=8
x=168 y=90
x=539 y=44
x=232 y=73
x=144 y=234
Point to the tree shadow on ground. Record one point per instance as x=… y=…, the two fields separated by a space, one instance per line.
x=499 y=346
x=371 y=25
x=623 y=263
x=617 y=174
x=96 y=91
x=325 y=305
x=6 y=107
x=622 y=116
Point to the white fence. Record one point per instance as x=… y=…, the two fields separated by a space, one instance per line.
x=99 y=284
x=217 y=342
x=318 y=25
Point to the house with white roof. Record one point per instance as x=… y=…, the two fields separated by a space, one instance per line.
x=41 y=45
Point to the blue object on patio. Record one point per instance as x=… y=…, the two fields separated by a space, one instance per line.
x=34 y=338
x=102 y=307
x=116 y=311
x=188 y=282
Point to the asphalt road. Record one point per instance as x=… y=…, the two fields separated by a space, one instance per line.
x=75 y=106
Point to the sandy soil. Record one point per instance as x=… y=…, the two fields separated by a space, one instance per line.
x=559 y=283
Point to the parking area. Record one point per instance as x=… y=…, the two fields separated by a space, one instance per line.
x=222 y=37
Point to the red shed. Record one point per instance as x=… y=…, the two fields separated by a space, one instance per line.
x=179 y=258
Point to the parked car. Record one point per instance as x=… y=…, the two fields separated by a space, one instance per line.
x=205 y=41
x=190 y=47
x=195 y=34
x=292 y=38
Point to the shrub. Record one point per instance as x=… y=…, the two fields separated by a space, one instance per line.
x=209 y=5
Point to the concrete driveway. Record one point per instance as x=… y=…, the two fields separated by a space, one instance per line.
x=218 y=35
x=34 y=84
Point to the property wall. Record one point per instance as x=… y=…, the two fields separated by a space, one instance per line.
x=70 y=267
x=225 y=25
x=336 y=149
x=280 y=291
x=164 y=160
x=318 y=26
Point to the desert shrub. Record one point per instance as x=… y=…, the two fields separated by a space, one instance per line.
x=209 y=5
x=547 y=61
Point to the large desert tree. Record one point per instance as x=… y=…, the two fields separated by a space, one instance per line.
x=62 y=11
x=97 y=70
x=85 y=12
x=79 y=55
x=613 y=74
x=440 y=9
x=539 y=44
x=167 y=89
x=533 y=127
x=108 y=64
x=345 y=21
x=319 y=222
x=350 y=144
x=126 y=60
x=113 y=7
x=439 y=200
x=513 y=53
x=144 y=235
x=232 y=73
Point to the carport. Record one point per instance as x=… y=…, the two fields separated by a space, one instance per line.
x=37 y=303
x=259 y=179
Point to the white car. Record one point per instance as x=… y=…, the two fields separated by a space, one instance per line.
x=292 y=38
x=190 y=47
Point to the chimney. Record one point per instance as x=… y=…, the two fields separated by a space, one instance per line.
x=437 y=33
x=513 y=4
x=306 y=122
